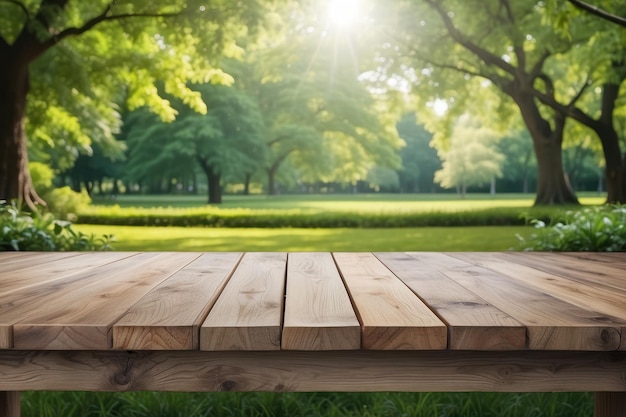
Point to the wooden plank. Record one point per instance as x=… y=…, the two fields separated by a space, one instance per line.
x=20 y=304
x=603 y=275
x=588 y=291
x=39 y=269
x=393 y=318
x=612 y=258
x=13 y=261
x=80 y=315
x=9 y=404
x=473 y=324
x=552 y=324
x=318 y=311
x=610 y=404
x=248 y=313
x=349 y=371
x=579 y=291
x=169 y=316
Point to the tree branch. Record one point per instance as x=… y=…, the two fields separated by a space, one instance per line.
x=536 y=71
x=596 y=11
x=38 y=47
x=483 y=54
x=578 y=95
x=103 y=17
x=21 y=6
x=566 y=110
x=519 y=49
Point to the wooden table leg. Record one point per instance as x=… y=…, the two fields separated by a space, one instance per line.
x=9 y=404
x=610 y=404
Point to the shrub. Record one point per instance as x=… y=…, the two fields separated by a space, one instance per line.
x=590 y=229
x=64 y=203
x=42 y=232
x=215 y=217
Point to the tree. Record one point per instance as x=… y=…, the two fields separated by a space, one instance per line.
x=601 y=68
x=504 y=46
x=419 y=159
x=471 y=158
x=226 y=140
x=117 y=44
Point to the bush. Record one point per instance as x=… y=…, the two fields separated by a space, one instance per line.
x=24 y=232
x=64 y=203
x=215 y=217
x=587 y=230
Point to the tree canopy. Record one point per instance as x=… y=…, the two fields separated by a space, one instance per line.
x=237 y=88
x=77 y=60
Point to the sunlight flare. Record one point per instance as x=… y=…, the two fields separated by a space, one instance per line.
x=343 y=13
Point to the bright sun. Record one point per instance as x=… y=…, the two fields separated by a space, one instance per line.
x=343 y=13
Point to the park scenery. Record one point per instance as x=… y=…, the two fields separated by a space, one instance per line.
x=312 y=125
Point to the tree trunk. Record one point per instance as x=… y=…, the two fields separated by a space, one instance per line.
x=271 y=180
x=213 y=181
x=614 y=171
x=552 y=186
x=246 y=184
x=215 y=188
x=15 y=180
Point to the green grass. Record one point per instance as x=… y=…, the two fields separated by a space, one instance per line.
x=149 y=404
x=323 y=211
x=337 y=239
x=364 y=203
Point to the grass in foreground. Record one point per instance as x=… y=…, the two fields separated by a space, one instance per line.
x=149 y=404
x=499 y=238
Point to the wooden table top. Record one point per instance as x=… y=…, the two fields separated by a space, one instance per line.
x=313 y=301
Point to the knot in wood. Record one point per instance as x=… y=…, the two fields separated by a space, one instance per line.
x=227 y=386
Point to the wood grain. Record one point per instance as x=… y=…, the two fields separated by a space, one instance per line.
x=169 y=316
x=43 y=268
x=592 y=296
x=12 y=261
x=248 y=313
x=601 y=275
x=318 y=311
x=78 y=313
x=552 y=323
x=367 y=371
x=473 y=324
x=391 y=315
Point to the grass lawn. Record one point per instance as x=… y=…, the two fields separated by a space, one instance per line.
x=298 y=240
x=391 y=203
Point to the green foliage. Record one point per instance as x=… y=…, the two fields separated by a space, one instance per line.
x=64 y=203
x=42 y=232
x=41 y=175
x=471 y=159
x=268 y=218
x=587 y=230
x=102 y=54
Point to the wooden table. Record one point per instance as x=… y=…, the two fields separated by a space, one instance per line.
x=313 y=322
